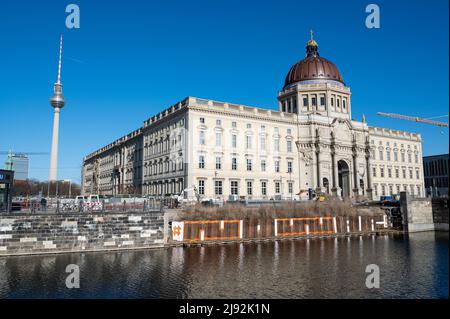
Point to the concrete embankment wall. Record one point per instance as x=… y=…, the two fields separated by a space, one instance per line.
x=52 y=233
x=423 y=214
x=190 y=231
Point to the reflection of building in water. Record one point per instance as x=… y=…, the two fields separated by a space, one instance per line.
x=226 y=149
x=436 y=175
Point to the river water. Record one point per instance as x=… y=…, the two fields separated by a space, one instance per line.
x=411 y=266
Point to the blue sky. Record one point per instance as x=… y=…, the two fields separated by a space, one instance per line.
x=130 y=59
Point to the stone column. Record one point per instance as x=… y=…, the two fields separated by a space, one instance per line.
x=355 y=174
x=336 y=176
x=319 y=181
x=333 y=173
x=369 y=191
x=314 y=169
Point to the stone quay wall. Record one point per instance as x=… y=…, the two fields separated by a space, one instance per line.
x=22 y=234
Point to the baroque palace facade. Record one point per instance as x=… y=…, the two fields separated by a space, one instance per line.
x=224 y=149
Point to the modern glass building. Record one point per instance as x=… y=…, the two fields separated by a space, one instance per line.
x=436 y=175
x=20 y=165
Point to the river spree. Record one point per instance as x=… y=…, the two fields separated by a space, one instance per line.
x=411 y=266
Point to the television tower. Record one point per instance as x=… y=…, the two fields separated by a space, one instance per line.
x=57 y=102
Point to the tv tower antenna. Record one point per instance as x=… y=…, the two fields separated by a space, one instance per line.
x=57 y=102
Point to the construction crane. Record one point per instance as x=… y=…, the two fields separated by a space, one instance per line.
x=415 y=118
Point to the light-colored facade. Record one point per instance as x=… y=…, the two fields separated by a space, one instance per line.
x=226 y=149
x=396 y=162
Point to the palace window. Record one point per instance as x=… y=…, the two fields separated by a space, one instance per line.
x=263 y=143
x=202 y=120
x=234 y=163
x=249 y=188
x=218 y=139
x=403 y=157
x=202 y=138
x=388 y=155
x=277 y=166
x=305 y=101
x=248 y=142
x=396 y=156
x=411 y=174
x=263 y=165
x=218 y=189
x=234 y=188
x=234 y=140
x=417 y=174
x=201 y=161
x=381 y=172
x=277 y=187
x=314 y=101
x=264 y=188
x=289 y=165
x=233 y=124
x=374 y=171
x=218 y=122
x=289 y=146
x=397 y=174
x=249 y=164
x=201 y=187
x=389 y=172
x=381 y=155
x=218 y=162
x=276 y=143
x=290 y=187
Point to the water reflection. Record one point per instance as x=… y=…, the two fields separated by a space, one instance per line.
x=414 y=266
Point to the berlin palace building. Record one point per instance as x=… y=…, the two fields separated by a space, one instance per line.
x=222 y=149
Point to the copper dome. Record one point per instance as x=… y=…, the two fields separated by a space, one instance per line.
x=313 y=67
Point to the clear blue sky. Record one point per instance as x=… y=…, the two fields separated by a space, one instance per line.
x=130 y=59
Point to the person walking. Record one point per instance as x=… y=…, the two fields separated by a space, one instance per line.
x=43 y=204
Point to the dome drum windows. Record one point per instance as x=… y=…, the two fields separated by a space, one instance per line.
x=305 y=103
x=322 y=102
